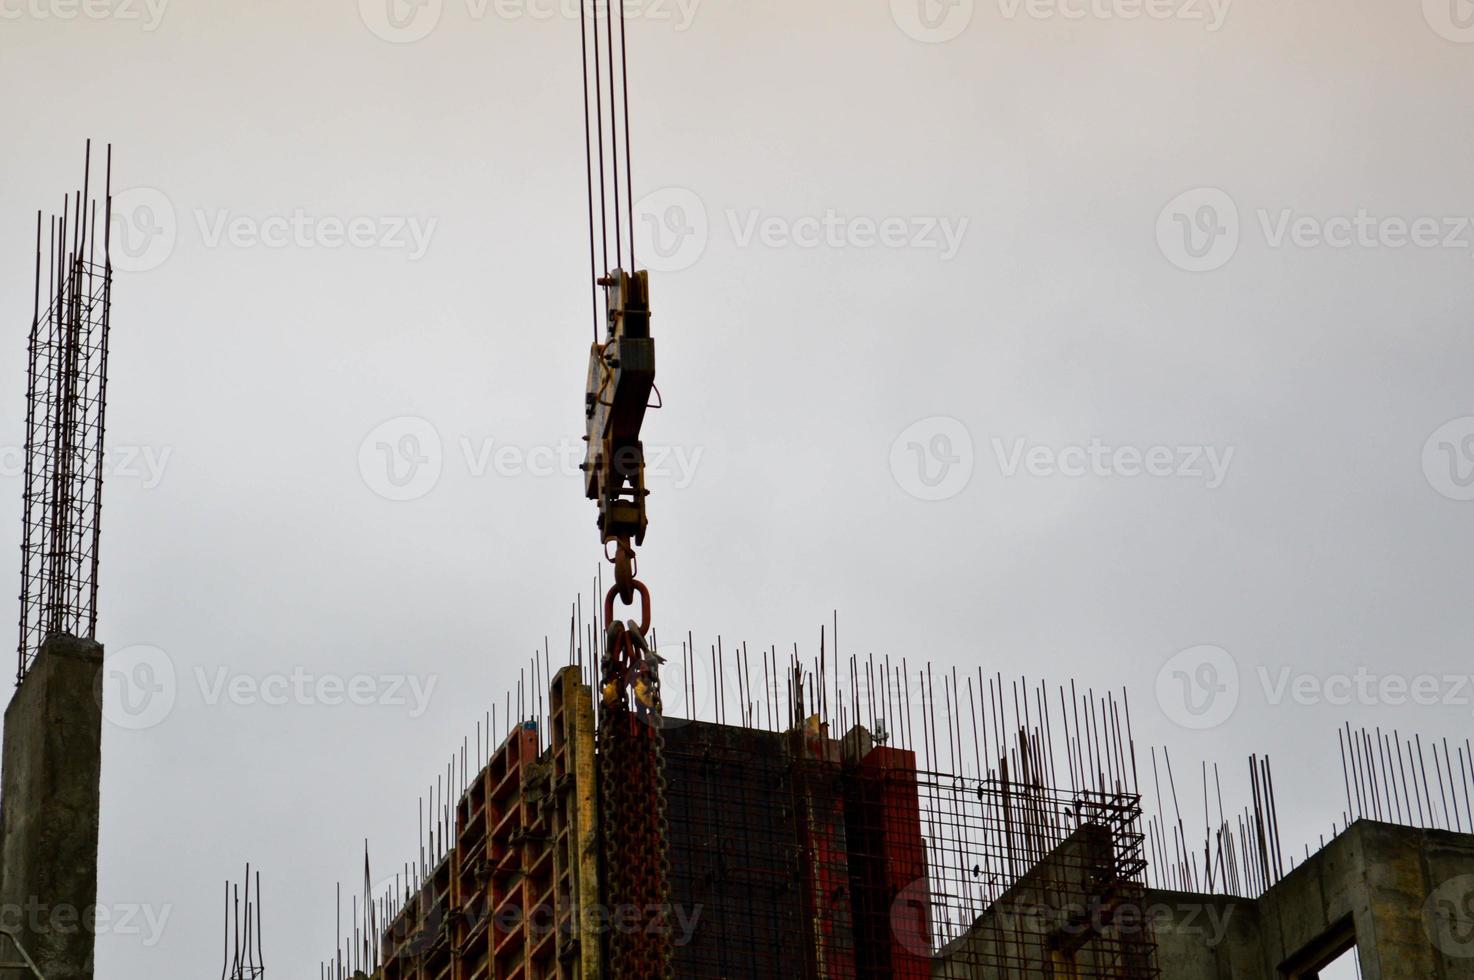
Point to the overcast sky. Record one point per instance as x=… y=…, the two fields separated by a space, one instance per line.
x=1052 y=336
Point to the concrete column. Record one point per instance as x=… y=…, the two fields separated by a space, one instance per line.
x=50 y=791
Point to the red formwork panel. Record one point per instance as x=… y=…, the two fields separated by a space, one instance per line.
x=891 y=893
x=824 y=836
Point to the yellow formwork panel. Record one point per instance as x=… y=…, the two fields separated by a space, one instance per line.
x=576 y=828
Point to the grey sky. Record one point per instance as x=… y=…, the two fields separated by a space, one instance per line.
x=994 y=228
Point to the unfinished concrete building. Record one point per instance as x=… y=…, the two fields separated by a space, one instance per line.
x=910 y=827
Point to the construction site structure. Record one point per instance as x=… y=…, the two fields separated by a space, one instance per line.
x=50 y=776
x=838 y=820
x=861 y=819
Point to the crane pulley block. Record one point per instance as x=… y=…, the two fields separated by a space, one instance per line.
x=621 y=378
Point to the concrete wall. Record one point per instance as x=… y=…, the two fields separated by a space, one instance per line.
x=49 y=803
x=1206 y=937
x=1059 y=921
x=1406 y=896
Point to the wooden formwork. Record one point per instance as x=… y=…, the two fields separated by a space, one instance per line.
x=420 y=943
x=514 y=899
x=575 y=827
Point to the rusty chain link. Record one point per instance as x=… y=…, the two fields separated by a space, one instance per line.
x=632 y=781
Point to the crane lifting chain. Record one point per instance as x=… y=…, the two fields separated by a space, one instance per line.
x=632 y=781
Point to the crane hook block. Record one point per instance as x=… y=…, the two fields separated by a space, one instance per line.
x=621 y=377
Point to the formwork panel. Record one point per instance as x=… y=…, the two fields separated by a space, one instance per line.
x=736 y=871
x=888 y=869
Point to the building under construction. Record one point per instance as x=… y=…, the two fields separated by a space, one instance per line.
x=786 y=818
x=865 y=820
x=832 y=819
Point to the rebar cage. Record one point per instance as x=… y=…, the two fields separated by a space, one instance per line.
x=65 y=423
